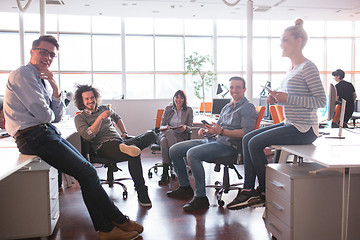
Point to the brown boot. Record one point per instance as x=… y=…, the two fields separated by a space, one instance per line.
x=130 y=225
x=118 y=234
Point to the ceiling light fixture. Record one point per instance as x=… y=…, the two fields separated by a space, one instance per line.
x=231 y=4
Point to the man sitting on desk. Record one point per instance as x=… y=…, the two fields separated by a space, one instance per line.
x=96 y=124
x=32 y=101
x=236 y=119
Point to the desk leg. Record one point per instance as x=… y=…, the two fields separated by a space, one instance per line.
x=345 y=205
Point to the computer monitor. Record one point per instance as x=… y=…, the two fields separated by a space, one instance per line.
x=331 y=106
x=218 y=104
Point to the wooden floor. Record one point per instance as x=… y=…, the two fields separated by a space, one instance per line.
x=165 y=219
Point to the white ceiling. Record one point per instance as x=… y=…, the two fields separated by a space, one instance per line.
x=209 y=9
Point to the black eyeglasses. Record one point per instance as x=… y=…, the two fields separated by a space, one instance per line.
x=45 y=52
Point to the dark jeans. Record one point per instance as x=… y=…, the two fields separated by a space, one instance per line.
x=111 y=151
x=255 y=142
x=47 y=143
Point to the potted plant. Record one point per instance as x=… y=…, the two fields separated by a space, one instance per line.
x=195 y=64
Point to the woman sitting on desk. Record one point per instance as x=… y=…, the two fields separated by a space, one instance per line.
x=176 y=124
x=302 y=94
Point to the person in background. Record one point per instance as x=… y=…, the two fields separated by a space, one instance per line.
x=302 y=94
x=345 y=90
x=236 y=119
x=32 y=102
x=2 y=118
x=96 y=124
x=175 y=126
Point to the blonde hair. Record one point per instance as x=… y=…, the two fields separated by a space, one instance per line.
x=298 y=31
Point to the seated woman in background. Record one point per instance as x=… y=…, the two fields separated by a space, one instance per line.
x=176 y=124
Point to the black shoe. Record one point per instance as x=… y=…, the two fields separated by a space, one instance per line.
x=197 y=203
x=245 y=199
x=165 y=179
x=181 y=192
x=143 y=198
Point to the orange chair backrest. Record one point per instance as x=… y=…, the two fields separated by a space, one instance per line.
x=208 y=107
x=261 y=111
x=274 y=114
x=336 y=117
x=280 y=112
x=159 y=114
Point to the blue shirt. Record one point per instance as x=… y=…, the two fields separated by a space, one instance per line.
x=28 y=102
x=241 y=116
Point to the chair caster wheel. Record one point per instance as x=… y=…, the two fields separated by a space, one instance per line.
x=150 y=174
x=155 y=170
x=221 y=203
x=217 y=183
x=125 y=195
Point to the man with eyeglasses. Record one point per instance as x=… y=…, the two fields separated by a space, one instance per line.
x=32 y=102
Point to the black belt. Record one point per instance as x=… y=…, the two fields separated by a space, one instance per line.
x=20 y=132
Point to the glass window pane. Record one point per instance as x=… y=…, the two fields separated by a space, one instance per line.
x=229 y=54
x=75 y=52
x=315 y=28
x=229 y=28
x=357 y=28
x=109 y=85
x=107 y=53
x=139 y=53
x=169 y=54
x=102 y=24
x=68 y=81
x=202 y=46
x=339 y=28
x=168 y=84
x=69 y=23
x=198 y=27
x=139 y=86
x=9 y=46
x=139 y=26
x=190 y=92
x=261 y=28
x=168 y=26
x=260 y=54
x=339 y=54
x=32 y=22
x=314 y=50
x=276 y=79
x=9 y=21
x=357 y=56
x=278 y=27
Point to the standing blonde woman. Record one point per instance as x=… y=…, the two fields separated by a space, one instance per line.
x=301 y=94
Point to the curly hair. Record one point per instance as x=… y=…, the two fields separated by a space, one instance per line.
x=78 y=99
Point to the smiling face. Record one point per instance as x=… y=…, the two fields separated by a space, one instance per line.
x=43 y=55
x=179 y=101
x=289 y=45
x=89 y=100
x=237 y=90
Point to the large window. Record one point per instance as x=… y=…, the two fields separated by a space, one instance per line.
x=143 y=58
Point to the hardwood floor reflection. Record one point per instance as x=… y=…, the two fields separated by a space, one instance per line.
x=165 y=219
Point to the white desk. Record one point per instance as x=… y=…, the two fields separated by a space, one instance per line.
x=333 y=154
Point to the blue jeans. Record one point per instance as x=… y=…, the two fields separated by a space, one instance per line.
x=255 y=142
x=47 y=143
x=196 y=151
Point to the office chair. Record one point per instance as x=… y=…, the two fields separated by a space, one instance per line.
x=92 y=157
x=229 y=163
x=208 y=107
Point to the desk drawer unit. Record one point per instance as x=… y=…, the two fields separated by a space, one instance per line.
x=29 y=203
x=301 y=205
